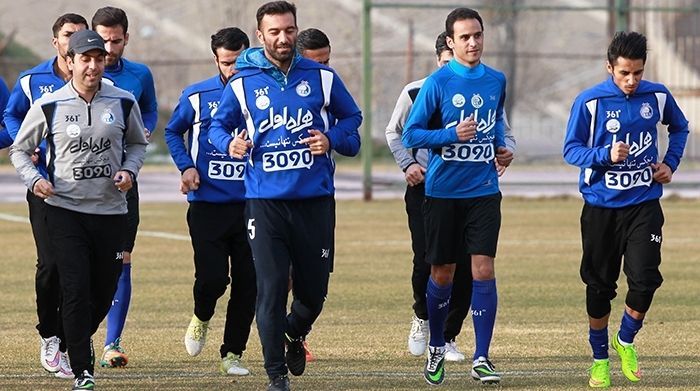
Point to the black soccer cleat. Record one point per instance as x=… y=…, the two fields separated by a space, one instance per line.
x=279 y=383
x=296 y=355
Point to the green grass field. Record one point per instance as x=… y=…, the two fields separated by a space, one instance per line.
x=540 y=341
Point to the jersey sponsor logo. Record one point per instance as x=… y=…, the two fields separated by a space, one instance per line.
x=482 y=125
x=107 y=116
x=656 y=238
x=119 y=256
x=477 y=153
x=262 y=102
x=91 y=172
x=302 y=120
x=225 y=170
x=458 y=100
x=44 y=89
x=612 y=126
x=625 y=180
x=292 y=159
x=303 y=89
x=97 y=146
x=325 y=253
x=73 y=130
x=646 y=140
x=477 y=101
x=72 y=117
x=646 y=111
x=213 y=107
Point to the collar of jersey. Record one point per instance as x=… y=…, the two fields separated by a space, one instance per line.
x=255 y=58
x=116 y=67
x=465 y=71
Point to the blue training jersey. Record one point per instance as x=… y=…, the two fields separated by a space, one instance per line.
x=277 y=110
x=220 y=176
x=5 y=139
x=450 y=95
x=604 y=115
x=138 y=80
x=31 y=85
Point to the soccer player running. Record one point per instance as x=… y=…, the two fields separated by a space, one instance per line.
x=282 y=102
x=97 y=145
x=213 y=183
x=32 y=84
x=462 y=199
x=414 y=162
x=612 y=136
x=112 y=24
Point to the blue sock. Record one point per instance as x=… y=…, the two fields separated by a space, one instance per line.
x=120 y=306
x=629 y=327
x=599 y=343
x=438 y=303
x=484 y=304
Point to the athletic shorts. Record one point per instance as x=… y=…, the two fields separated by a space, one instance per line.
x=132 y=217
x=455 y=227
x=611 y=234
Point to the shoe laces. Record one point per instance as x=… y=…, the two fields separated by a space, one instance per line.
x=116 y=345
x=435 y=355
x=417 y=328
x=199 y=330
x=50 y=345
x=485 y=362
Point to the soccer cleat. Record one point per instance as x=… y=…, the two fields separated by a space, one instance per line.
x=452 y=353
x=434 y=372
x=231 y=365
x=483 y=370
x=418 y=336
x=196 y=336
x=296 y=355
x=309 y=356
x=84 y=381
x=114 y=356
x=628 y=358
x=64 y=369
x=279 y=383
x=50 y=355
x=600 y=374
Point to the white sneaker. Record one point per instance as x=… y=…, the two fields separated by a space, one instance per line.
x=418 y=337
x=196 y=336
x=452 y=353
x=64 y=369
x=49 y=355
x=231 y=365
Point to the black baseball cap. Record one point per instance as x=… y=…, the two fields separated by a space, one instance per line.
x=85 y=40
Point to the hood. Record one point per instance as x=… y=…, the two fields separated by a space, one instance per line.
x=254 y=58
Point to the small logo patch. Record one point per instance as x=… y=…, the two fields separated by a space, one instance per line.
x=73 y=130
x=458 y=100
x=613 y=125
x=646 y=111
x=262 y=102
x=477 y=101
x=303 y=89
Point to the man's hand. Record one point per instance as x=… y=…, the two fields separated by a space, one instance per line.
x=189 y=180
x=239 y=145
x=662 y=172
x=317 y=142
x=43 y=189
x=122 y=180
x=466 y=130
x=504 y=157
x=619 y=152
x=35 y=156
x=147 y=133
x=415 y=174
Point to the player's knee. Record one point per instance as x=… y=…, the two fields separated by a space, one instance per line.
x=639 y=301
x=126 y=257
x=442 y=275
x=309 y=309
x=598 y=302
x=212 y=287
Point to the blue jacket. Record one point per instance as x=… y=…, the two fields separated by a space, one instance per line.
x=220 y=176
x=5 y=139
x=450 y=95
x=137 y=79
x=604 y=115
x=31 y=85
x=278 y=110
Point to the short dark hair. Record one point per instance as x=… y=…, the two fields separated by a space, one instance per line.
x=461 y=14
x=110 y=17
x=230 y=38
x=67 y=18
x=632 y=46
x=312 y=39
x=441 y=44
x=276 y=8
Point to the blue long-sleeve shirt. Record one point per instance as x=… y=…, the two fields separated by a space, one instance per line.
x=138 y=80
x=220 y=176
x=31 y=85
x=5 y=139
x=604 y=115
x=448 y=96
x=277 y=110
